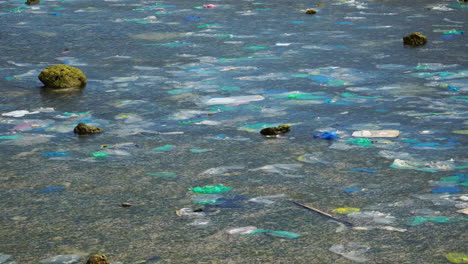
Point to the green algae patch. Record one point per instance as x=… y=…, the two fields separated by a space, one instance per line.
x=62 y=77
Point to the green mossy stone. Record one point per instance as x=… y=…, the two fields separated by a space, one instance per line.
x=415 y=39
x=62 y=77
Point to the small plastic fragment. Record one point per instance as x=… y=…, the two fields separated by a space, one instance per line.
x=98 y=154
x=283 y=234
x=241 y=230
x=220 y=188
x=327 y=135
x=345 y=210
x=457 y=257
x=418 y=220
x=362 y=142
x=164 y=148
x=446 y=190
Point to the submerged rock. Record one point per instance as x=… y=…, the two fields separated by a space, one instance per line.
x=273 y=131
x=32 y=2
x=97 y=259
x=415 y=39
x=311 y=11
x=83 y=129
x=62 y=76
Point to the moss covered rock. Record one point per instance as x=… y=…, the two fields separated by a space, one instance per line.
x=32 y=2
x=62 y=76
x=311 y=11
x=83 y=129
x=273 y=131
x=97 y=259
x=415 y=39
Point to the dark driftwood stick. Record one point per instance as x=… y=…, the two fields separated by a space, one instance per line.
x=323 y=213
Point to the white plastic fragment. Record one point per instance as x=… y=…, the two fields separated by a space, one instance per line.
x=241 y=230
x=233 y=100
x=19 y=113
x=376 y=133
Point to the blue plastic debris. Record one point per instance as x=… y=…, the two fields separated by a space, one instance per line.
x=446 y=190
x=52 y=189
x=327 y=135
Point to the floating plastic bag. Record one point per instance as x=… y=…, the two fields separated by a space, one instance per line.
x=352 y=250
x=457 y=257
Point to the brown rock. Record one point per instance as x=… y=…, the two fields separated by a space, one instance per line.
x=97 y=259
x=83 y=129
x=415 y=39
x=273 y=131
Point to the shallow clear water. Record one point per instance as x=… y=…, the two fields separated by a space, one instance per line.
x=182 y=92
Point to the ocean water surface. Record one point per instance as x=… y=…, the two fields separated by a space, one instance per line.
x=181 y=173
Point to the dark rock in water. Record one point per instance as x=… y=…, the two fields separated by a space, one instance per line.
x=32 y=2
x=311 y=11
x=273 y=131
x=83 y=129
x=97 y=259
x=62 y=77
x=414 y=39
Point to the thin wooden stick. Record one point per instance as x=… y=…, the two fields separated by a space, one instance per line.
x=322 y=213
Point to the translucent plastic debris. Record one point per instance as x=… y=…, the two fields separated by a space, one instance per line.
x=361 y=142
x=266 y=199
x=245 y=230
x=233 y=100
x=457 y=257
x=312 y=158
x=376 y=133
x=4 y=258
x=345 y=210
x=62 y=259
x=279 y=168
x=219 y=188
x=283 y=234
x=353 y=251
x=221 y=170
x=419 y=220
x=373 y=216
x=164 y=148
x=395 y=155
x=423 y=166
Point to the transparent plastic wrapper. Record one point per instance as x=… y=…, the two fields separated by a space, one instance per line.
x=60 y=259
x=353 y=251
x=373 y=216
